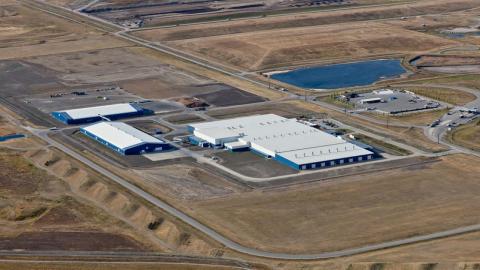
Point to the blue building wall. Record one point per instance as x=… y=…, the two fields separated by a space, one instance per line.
x=140 y=149
x=328 y=163
x=65 y=118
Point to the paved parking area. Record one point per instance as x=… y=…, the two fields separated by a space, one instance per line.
x=392 y=101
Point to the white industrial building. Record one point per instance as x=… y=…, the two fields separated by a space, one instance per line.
x=123 y=138
x=286 y=140
x=95 y=114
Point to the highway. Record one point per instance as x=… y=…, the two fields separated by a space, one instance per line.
x=43 y=134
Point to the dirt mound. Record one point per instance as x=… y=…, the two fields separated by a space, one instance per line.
x=116 y=201
x=168 y=232
x=38 y=156
x=61 y=168
x=110 y=199
x=142 y=216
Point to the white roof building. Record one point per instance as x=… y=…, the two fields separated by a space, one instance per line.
x=122 y=137
x=279 y=137
x=93 y=114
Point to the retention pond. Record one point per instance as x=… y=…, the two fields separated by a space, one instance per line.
x=342 y=75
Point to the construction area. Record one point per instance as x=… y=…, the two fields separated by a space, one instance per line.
x=145 y=135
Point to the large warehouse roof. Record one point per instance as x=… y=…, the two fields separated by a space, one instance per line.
x=277 y=136
x=120 y=134
x=100 y=111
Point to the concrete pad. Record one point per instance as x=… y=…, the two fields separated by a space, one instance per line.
x=165 y=155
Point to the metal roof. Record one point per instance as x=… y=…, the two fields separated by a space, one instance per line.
x=100 y=111
x=120 y=134
x=275 y=135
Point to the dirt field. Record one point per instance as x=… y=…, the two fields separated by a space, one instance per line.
x=250 y=164
x=186 y=182
x=108 y=266
x=119 y=64
x=306 y=38
x=347 y=213
x=313 y=19
x=28 y=33
x=286 y=47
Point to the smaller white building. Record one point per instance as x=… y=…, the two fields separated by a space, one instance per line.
x=95 y=114
x=124 y=138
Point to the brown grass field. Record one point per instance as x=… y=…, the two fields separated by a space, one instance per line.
x=416 y=118
x=29 y=33
x=467 y=136
x=5 y=265
x=286 y=47
x=451 y=96
x=271 y=42
x=352 y=211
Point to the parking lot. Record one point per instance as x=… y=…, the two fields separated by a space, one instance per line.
x=391 y=101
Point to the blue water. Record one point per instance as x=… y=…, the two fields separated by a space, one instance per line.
x=342 y=75
x=11 y=137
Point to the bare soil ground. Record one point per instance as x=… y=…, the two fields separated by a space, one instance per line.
x=181 y=119
x=358 y=210
x=285 y=47
x=108 y=266
x=306 y=38
x=315 y=19
x=108 y=65
x=97 y=241
x=30 y=33
x=250 y=164
x=186 y=182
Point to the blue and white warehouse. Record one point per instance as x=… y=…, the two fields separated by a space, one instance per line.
x=95 y=114
x=286 y=140
x=123 y=138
